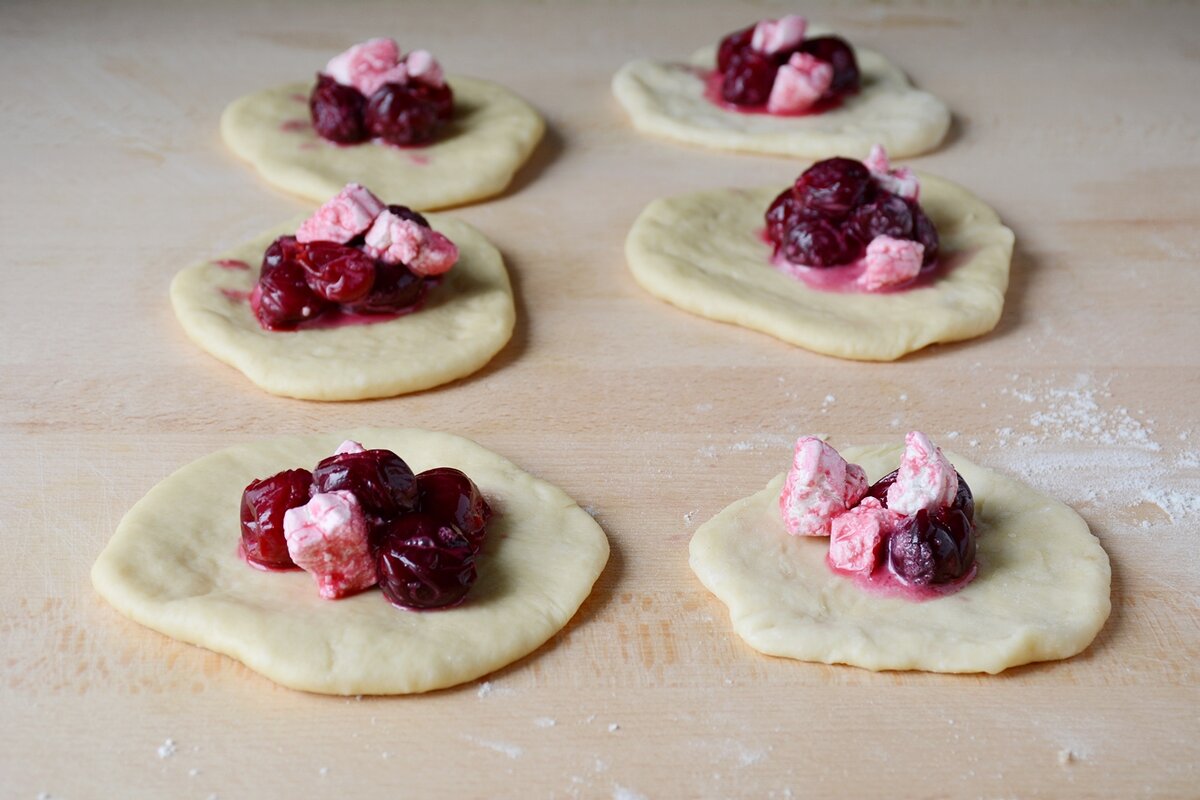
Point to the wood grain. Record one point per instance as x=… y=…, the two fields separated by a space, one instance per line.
x=1077 y=122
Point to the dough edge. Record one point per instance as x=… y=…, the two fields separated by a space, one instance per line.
x=477 y=164
x=358 y=645
x=726 y=277
x=464 y=323
x=951 y=641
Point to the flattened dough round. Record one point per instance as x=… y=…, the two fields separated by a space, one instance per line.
x=667 y=100
x=464 y=322
x=173 y=566
x=476 y=156
x=1042 y=591
x=703 y=253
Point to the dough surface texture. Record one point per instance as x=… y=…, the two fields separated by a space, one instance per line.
x=1041 y=593
x=704 y=253
x=492 y=134
x=667 y=100
x=173 y=566
x=465 y=321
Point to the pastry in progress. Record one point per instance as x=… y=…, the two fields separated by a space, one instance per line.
x=364 y=300
x=942 y=566
x=774 y=89
x=174 y=565
x=847 y=262
x=387 y=120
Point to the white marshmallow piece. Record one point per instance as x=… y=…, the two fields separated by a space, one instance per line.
x=396 y=240
x=423 y=67
x=341 y=218
x=348 y=446
x=328 y=538
x=926 y=478
x=855 y=536
x=901 y=181
x=362 y=64
x=890 y=262
x=773 y=35
x=799 y=84
x=819 y=486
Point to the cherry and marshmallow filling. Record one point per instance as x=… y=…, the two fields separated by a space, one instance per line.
x=770 y=67
x=354 y=259
x=361 y=518
x=373 y=91
x=915 y=525
x=864 y=215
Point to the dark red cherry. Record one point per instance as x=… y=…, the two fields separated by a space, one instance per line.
x=397 y=115
x=836 y=52
x=732 y=44
x=925 y=233
x=440 y=97
x=424 y=562
x=748 y=78
x=932 y=548
x=282 y=298
x=834 y=187
x=886 y=215
x=817 y=243
x=382 y=482
x=285 y=249
x=451 y=496
x=337 y=272
x=337 y=111
x=404 y=212
x=396 y=288
x=264 y=503
x=784 y=212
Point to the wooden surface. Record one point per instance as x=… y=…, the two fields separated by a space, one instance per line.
x=1077 y=123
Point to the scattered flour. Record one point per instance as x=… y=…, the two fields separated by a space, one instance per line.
x=510 y=750
x=613 y=727
x=545 y=722
x=622 y=793
x=487 y=689
x=166 y=749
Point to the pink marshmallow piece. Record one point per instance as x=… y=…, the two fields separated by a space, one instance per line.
x=902 y=181
x=855 y=536
x=423 y=67
x=799 y=84
x=343 y=217
x=926 y=478
x=819 y=486
x=396 y=240
x=363 y=63
x=773 y=35
x=370 y=84
x=890 y=262
x=348 y=446
x=328 y=538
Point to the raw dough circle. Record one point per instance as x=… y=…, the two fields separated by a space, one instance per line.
x=1042 y=591
x=667 y=100
x=476 y=156
x=464 y=322
x=703 y=253
x=173 y=566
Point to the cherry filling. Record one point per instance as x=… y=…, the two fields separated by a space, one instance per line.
x=425 y=530
x=833 y=212
x=931 y=548
x=303 y=282
x=402 y=114
x=264 y=503
x=337 y=111
x=747 y=75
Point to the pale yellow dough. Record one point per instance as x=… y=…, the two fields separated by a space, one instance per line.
x=667 y=100
x=1042 y=591
x=703 y=252
x=464 y=322
x=173 y=566
x=492 y=134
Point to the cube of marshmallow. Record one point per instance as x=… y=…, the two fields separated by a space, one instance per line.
x=774 y=35
x=350 y=212
x=396 y=240
x=902 y=181
x=890 y=262
x=925 y=480
x=328 y=538
x=363 y=64
x=819 y=486
x=856 y=534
